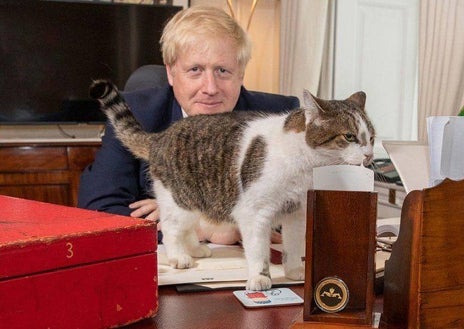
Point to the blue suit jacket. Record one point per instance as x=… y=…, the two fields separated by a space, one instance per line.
x=116 y=178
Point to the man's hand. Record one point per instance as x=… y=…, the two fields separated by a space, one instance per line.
x=147 y=208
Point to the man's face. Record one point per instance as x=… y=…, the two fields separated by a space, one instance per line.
x=207 y=80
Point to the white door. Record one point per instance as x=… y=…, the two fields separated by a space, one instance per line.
x=376 y=45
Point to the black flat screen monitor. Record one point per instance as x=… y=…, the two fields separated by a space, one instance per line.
x=50 y=51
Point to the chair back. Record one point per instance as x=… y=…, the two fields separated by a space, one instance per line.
x=147 y=76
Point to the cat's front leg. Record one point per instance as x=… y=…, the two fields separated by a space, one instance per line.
x=294 y=243
x=256 y=235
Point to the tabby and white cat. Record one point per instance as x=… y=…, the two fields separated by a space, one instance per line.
x=246 y=168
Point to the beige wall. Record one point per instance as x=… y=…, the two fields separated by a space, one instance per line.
x=263 y=70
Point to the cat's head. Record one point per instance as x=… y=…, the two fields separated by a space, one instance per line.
x=339 y=130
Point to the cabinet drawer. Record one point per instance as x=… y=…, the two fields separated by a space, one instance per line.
x=47 y=173
x=80 y=157
x=58 y=194
x=20 y=159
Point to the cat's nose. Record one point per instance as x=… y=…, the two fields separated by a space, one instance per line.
x=368 y=159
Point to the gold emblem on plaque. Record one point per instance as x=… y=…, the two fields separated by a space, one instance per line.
x=331 y=294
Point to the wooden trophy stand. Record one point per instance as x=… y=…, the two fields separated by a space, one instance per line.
x=340 y=245
x=424 y=277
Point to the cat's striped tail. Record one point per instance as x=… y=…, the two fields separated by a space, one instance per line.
x=126 y=127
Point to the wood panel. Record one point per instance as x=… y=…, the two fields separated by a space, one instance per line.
x=48 y=173
x=57 y=194
x=424 y=285
x=331 y=217
x=79 y=157
x=25 y=158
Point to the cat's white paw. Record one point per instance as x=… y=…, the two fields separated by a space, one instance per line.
x=259 y=282
x=296 y=274
x=181 y=261
x=201 y=251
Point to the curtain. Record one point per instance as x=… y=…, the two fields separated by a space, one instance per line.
x=441 y=60
x=304 y=45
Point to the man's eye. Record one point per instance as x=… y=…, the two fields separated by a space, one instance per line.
x=222 y=71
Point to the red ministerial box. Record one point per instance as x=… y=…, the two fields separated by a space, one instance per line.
x=64 y=267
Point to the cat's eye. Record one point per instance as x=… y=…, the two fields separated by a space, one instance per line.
x=350 y=138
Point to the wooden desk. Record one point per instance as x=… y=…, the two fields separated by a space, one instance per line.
x=219 y=309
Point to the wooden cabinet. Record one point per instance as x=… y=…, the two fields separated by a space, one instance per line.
x=44 y=172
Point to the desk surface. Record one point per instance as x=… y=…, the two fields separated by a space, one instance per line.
x=219 y=309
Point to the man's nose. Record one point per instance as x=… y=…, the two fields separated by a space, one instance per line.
x=209 y=83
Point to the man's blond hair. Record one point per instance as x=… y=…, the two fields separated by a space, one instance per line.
x=202 y=23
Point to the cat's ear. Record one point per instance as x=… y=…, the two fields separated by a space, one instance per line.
x=313 y=108
x=358 y=98
x=309 y=100
x=312 y=102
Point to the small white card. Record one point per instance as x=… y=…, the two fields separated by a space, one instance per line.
x=265 y=298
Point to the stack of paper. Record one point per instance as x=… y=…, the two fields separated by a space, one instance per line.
x=226 y=268
x=421 y=165
x=446 y=145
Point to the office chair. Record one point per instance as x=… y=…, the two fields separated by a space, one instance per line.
x=147 y=76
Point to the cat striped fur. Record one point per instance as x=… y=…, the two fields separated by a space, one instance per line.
x=249 y=169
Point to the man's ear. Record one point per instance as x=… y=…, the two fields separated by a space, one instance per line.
x=170 y=73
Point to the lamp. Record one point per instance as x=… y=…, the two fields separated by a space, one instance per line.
x=252 y=11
